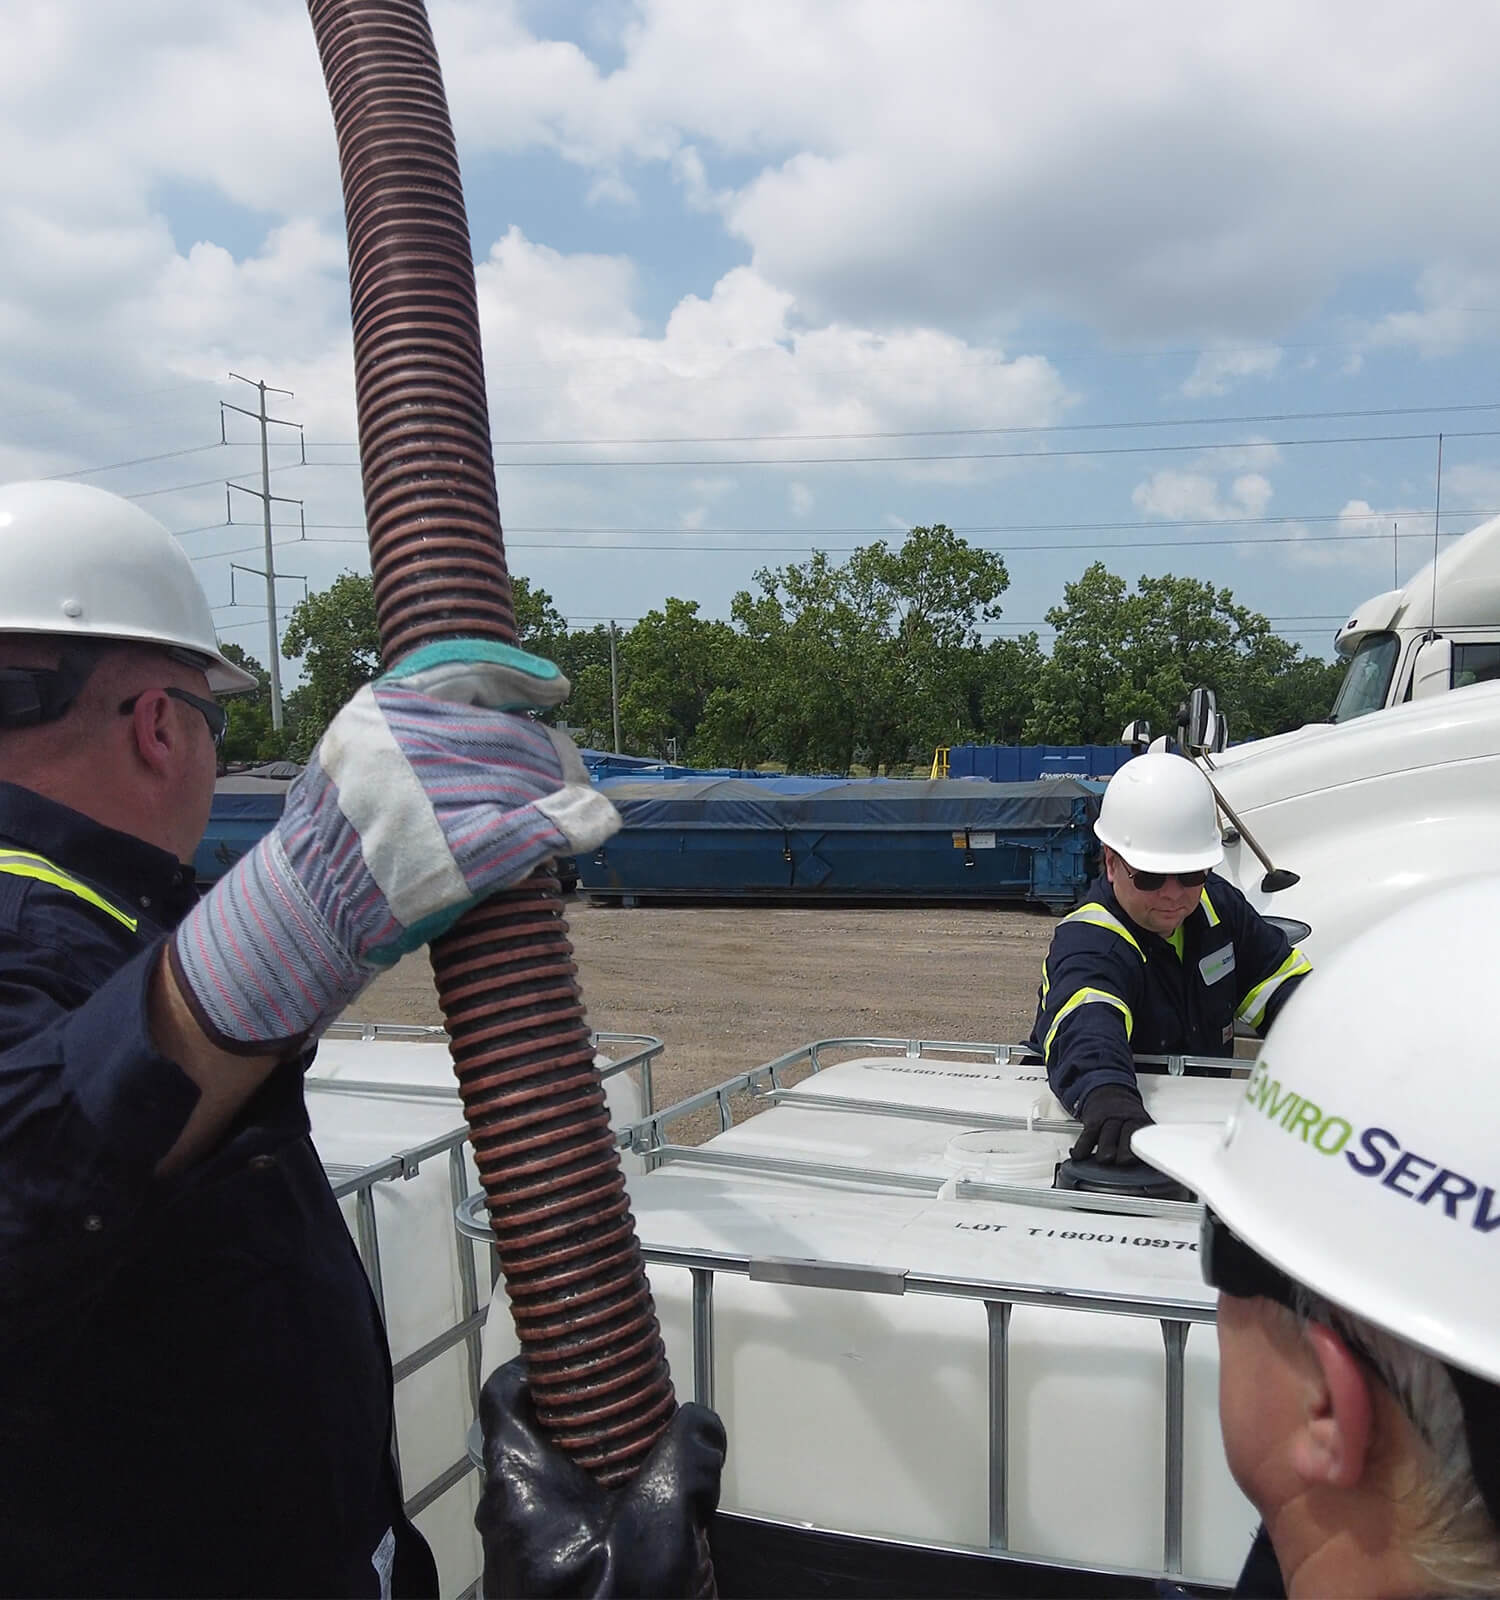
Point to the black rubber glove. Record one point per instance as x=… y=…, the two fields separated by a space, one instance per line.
x=550 y=1530
x=1109 y=1116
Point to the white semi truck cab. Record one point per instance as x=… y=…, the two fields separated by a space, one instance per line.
x=1408 y=644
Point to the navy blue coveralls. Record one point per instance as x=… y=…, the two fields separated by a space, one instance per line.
x=195 y=1388
x=1110 y=989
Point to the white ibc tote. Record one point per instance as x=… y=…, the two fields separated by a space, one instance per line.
x=852 y=1249
x=388 y=1125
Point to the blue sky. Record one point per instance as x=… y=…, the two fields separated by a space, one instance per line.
x=1117 y=264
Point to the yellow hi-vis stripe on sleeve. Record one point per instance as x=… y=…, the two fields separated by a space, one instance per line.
x=1253 y=1006
x=1084 y=997
x=22 y=864
x=1208 y=909
x=1102 y=917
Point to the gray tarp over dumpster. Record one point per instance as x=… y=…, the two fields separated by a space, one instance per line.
x=860 y=838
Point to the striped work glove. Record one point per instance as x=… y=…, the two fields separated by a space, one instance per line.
x=427 y=793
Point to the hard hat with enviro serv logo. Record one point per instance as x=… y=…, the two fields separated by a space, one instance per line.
x=79 y=562
x=1362 y=1159
x=1158 y=811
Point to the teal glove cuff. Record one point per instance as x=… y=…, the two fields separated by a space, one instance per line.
x=481 y=672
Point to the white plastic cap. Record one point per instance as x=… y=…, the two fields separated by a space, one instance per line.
x=1362 y=1159
x=1158 y=812
x=79 y=561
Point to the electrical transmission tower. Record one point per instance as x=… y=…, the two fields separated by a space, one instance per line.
x=264 y=495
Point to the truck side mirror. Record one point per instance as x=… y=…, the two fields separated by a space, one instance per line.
x=1221 y=733
x=1137 y=735
x=1432 y=671
x=1200 y=722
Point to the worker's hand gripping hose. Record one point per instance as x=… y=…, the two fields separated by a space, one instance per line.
x=429 y=790
x=550 y=1530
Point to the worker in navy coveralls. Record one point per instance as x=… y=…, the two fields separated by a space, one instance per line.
x=1163 y=956
x=195 y=1388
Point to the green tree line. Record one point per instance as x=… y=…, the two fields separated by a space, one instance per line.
x=870 y=662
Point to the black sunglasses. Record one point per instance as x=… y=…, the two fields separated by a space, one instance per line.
x=214 y=714
x=1150 y=882
x=1232 y=1267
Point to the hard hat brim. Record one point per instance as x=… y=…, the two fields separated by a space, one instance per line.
x=1163 y=860
x=226 y=678
x=1184 y=1151
x=1193 y=1154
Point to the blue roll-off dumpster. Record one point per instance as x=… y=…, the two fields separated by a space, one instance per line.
x=246 y=806
x=1022 y=763
x=863 y=839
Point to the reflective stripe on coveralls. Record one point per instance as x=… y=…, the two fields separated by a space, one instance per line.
x=22 y=864
x=1102 y=917
x=1084 y=997
x=1253 y=1007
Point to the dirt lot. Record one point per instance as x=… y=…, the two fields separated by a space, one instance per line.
x=727 y=988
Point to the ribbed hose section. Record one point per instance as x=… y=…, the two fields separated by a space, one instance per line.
x=551 y=1173
x=506 y=976
x=424 y=432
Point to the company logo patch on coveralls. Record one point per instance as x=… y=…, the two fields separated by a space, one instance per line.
x=1217 y=964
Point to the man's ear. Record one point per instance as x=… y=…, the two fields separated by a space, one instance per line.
x=1332 y=1443
x=155 y=735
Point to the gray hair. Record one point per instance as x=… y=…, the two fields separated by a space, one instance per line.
x=1453 y=1539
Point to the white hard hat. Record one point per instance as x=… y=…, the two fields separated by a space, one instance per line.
x=1158 y=812
x=77 y=561
x=1362 y=1159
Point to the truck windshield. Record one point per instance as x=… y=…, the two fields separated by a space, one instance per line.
x=1368 y=680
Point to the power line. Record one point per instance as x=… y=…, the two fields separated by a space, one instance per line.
x=136 y=461
x=208 y=483
x=977 y=455
x=213 y=555
x=832 y=549
x=958 y=433
x=978 y=355
x=887 y=531
x=888 y=460
x=1006 y=549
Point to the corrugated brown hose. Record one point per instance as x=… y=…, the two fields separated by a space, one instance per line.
x=505 y=975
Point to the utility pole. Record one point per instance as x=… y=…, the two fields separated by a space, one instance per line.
x=614 y=686
x=265 y=497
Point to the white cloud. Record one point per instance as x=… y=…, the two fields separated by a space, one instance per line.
x=692 y=175
x=739 y=363
x=1369 y=537
x=1252 y=492
x=1253 y=456
x=1225 y=164
x=801 y=499
x=164 y=91
x=1471 y=484
x=1216 y=371
x=610 y=189
x=1195 y=496
x=1457 y=306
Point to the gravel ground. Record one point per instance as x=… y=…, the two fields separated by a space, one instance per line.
x=729 y=987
